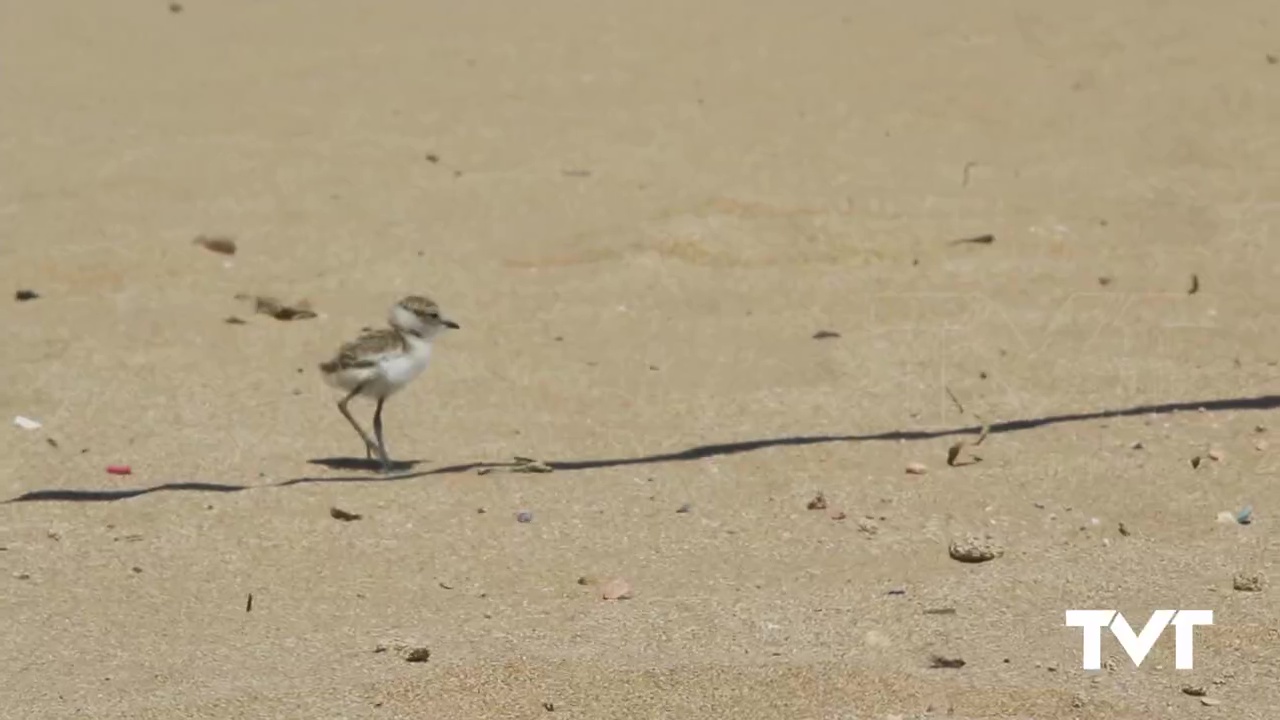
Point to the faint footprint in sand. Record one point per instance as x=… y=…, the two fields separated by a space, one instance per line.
x=724 y=232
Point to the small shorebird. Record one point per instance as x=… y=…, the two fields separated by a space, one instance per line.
x=380 y=362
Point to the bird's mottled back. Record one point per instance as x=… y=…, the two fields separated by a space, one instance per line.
x=365 y=350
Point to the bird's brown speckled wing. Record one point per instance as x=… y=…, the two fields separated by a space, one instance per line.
x=365 y=351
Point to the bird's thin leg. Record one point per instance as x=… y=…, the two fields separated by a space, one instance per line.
x=342 y=407
x=377 y=433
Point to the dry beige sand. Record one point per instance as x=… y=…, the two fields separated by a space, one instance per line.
x=641 y=213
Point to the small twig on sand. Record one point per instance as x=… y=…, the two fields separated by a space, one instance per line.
x=975 y=240
x=953 y=453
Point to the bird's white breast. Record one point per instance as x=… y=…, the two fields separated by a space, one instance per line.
x=398 y=369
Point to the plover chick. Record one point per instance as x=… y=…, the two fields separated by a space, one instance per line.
x=380 y=362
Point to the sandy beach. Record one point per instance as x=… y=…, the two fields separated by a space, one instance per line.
x=736 y=277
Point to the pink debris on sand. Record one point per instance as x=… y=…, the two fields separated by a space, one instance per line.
x=119 y=469
x=616 y=589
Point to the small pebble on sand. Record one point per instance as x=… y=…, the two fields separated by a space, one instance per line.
x=973 y=549
x=1248 y=582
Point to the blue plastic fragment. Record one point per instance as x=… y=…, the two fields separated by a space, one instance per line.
x=1245 y=516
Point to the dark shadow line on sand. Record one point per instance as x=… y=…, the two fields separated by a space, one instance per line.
x=121 y=494
x=1264 y=402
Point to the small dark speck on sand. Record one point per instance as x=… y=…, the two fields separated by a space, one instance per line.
x=343 y=515
x=942 y=661
x=975 y=240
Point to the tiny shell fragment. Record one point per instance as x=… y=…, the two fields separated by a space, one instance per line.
x=916 y=468
x=616 y=589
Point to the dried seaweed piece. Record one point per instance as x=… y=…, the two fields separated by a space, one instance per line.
x=219 y=244
x=943 y=661
x=975 y=240
x=267 y=305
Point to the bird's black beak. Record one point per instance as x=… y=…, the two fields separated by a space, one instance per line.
x=452 y=324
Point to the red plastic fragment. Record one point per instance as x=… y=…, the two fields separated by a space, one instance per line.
x=119 y=469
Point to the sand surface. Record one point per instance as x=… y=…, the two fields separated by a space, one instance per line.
x=641 y=214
